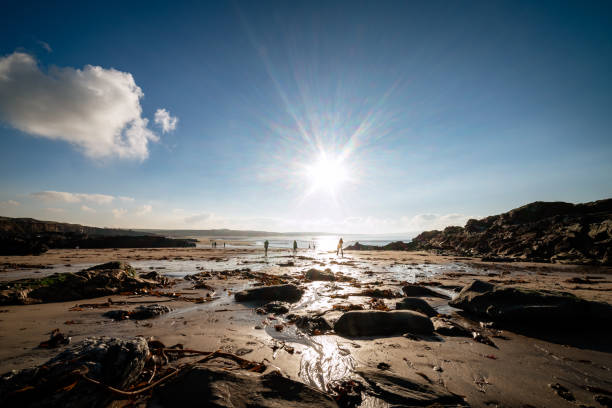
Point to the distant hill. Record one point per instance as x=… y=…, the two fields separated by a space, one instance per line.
x=27 y=236
x=226 y=233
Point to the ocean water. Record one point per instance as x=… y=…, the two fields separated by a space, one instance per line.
x=319 y=242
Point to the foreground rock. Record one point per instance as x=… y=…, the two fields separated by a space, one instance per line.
x=408 y=392
x=518 y=307
x=287 y=293
x=447 y=327
x=140 y=313
x=540 y=231
x=313 y=325
x=114 y=362
x=318 y=275
x=101 y=280
x=216 y=387
x=422 y=291
x=416 y=304
x=359 y=323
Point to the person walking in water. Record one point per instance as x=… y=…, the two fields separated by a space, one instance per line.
x=340 y=249
x=266 y=244
x=294 y=247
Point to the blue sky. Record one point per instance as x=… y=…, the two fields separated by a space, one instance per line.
x=426 y=113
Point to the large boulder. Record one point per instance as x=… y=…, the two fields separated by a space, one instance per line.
x=515 y=306
x=411 y=391
x=111 y=361
x=101 y=280
x=422 y=291
x=287 y=293
x=314 y=274
x=219 y=388
x=416 y=304
x=358 y=323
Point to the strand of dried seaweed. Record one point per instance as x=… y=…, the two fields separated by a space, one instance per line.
x=132 y=393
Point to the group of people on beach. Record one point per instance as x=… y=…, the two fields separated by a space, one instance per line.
x=339 y=249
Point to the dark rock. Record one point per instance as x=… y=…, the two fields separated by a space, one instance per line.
x=447 y=327
x=515 y=306
x=101 y=280
x=422 y=291
x=276 y=307
x=313 y=325
x=215 y=387
x=288 y=293
x=140 y=313
x=416 y=304
x=318 y=275
x=539 y=232
x=114 y=362
x=404 y=391
x=393 y=246
x=379 y=323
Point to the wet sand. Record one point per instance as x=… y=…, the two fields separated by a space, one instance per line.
x=516 y=373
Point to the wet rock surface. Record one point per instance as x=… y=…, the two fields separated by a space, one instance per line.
x=416 y=304
x=447 y=327
x=519 y=307
x=402 y=391
x=540 y=231
x=288 y=293
x=313 y=325
x=318 y=275
x=101 y=280
x=139 y=313
x=276 y=307
x=359 y=323
x=422 y=291
x=215 y=387
x=112 y=361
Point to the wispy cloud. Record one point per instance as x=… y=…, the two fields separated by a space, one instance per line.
x=87 y=209
x=67 y=197
x=96 y=109
x=166 y=121
x=126 y=199
x=45 y=45
x=119 y=212
x=10 y=203
x=144 y=210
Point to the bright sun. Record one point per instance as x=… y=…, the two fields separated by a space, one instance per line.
x=327 y=173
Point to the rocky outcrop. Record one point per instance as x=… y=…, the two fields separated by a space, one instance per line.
x=359 y=323
x=541 y=231
x=217 y=387
x=520 y=307
x=115 y=362
x=27 y=236
x=416 y=304
x=101 y=280
x=393 y=246
x=413 y=391
x=421 y=291
x=286 y=293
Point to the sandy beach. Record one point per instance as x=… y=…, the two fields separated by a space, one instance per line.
x=515 y=371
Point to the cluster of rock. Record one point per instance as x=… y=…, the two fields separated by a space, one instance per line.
x=101 y=280
x=392 y=246
x=121 y=363
x=541 y=231
x=27 y=236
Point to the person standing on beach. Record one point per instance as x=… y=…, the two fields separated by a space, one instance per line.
x=340 y=249
x=266 y=243
x=294 y=247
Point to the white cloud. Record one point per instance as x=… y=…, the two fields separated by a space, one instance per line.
x=145 y=209
x=96 y=109
x=87 y=209
x=166 y=121
x=425 y=222
x=10 y=203
x=73 y=197
x=119 y=212
x=126 y=199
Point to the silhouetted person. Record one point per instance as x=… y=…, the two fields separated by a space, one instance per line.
x=294 y=247
x=340 y=249
x=266 y=244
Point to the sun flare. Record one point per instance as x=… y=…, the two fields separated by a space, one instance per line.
x=327 y=173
